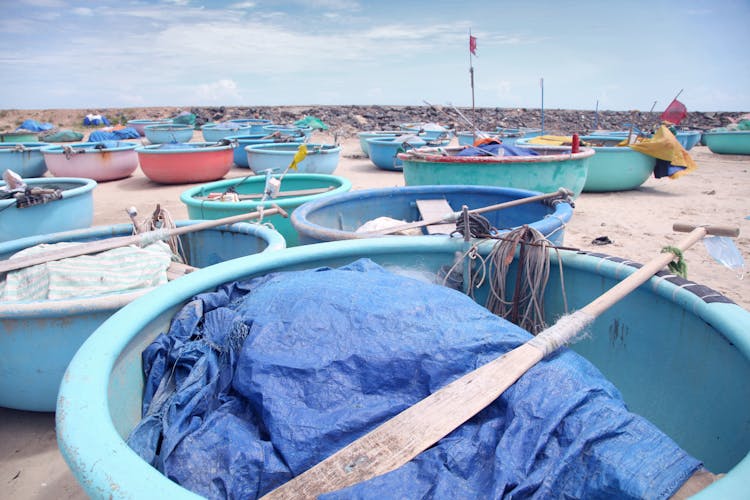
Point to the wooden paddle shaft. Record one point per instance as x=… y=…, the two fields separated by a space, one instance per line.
x=403 y=437
x=136 y=239
x=454 y=216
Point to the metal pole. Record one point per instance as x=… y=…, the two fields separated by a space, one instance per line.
x=596 y=116
x=541 y=84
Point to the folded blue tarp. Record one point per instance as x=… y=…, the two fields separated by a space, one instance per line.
x=494 y=149
x=35 y=126
x=261 y=379
x=115 y=135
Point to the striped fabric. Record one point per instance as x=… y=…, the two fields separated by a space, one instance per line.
x=116 y=270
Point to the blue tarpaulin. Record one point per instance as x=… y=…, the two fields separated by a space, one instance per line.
x=114 y=135
x=261 y=379
x=495 y=149
x=90 y=120
x=35 y=126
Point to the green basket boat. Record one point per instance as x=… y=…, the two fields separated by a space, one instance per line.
x=728 y=142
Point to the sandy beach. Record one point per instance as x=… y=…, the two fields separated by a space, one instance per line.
x=639 y=223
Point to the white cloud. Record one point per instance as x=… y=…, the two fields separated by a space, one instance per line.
x=218 y=92
x=242 y=5
x=83 y=11
x=44 y=3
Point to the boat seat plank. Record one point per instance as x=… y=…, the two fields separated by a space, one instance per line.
x=436 y=209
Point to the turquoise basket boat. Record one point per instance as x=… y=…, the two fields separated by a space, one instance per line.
x=679 y=353
x=276 y=157
x=547 y=172
x=364 y=136
x=688 y=138
x=612 y=168
x=728 y=142
x=214 y=132
x=39 y=338
x=338 y=217
x=256 y=124
x=75 y=210
x=302 y=188
x=24 y=158
x=384 y=150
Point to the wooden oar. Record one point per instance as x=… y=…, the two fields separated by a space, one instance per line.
x=141 y=239
x=253 y=196
x=403 y=437
x=560 y=193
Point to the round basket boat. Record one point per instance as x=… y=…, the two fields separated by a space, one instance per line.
x=18 y=137
x=24 y=158
x=688 y=138
x=168 y=133
x=547 y=172
x=509 y=136
x=685 y=340
x=140 y=124
x=728 y=142
x=213 y=132
x=467 y=138
x=185 y=163
x=101 y=161
x=276 y=157
x=338 y=217
x=75 y=210
x=289 y=131
x=430 y=132
x=294 y=191
x=256 y=124
x=612 y=168
x=364 y=136
x=240 y=155
x=39 y=338
x=384 y=150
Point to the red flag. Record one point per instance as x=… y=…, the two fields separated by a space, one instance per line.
x=473 y=44
x=675 y=112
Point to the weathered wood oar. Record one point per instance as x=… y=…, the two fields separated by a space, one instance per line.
x=453 y=217
x=403 y=437
x=253 y=196
x=141 y=239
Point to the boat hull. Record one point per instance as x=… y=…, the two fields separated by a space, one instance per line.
x=730 y=142
x=27 y=163
x=276 y=157
x=384 y=151
x=213 y=132
x=101 y=165
x=185 y=165
x=39 y=338
x=683 y=365
x=140 y=125
x=364 y=136
x=75 y=210
x=544 y=173
x=199 y=208
x=166 y=133
x=337 y=217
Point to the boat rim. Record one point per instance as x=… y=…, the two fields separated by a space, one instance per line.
x=83 y=185
x=89 y=147
x=431 y=155
x=191 y=147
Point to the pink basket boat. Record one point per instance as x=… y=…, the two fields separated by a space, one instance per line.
x=185 y=163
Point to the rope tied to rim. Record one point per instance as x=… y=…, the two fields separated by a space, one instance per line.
x=678 y=267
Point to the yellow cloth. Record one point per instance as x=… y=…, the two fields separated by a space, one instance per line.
x=299 y=156
x=552 y=140
x=665 y=146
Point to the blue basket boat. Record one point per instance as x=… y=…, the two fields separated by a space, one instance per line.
x=256 y=124
x=728 y=142
x=39 y=338
x=679 y=354
x=140 y=124
x=295 y=190
x=688 y=138
x=384 y=150
x=214 y=132
x=365 y=136
x=75 y=210
x=166 y=133
x=276 y=157
x=24 y=158
x=338 y=217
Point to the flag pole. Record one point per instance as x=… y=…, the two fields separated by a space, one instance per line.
x=471 y=72
x=541 y=84
x=596 y=116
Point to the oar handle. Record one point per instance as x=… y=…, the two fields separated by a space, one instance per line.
x=732 y=232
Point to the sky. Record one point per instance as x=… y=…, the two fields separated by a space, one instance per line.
x=131 y=53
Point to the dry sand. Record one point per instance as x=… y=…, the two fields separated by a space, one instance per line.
x=638 y=222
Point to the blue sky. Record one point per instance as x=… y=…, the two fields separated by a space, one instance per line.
x=626 y=55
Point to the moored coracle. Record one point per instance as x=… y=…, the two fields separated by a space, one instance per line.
x=547 y=172
x=24 y=158
x=364 y=136
x=213 y=132
x=168 y=133
x=140 y=124
x=18 y=136
x=185 y=163
x=320 y=158
x=104 y=383
x=428 y=131
x=101 y=161
x=729 y=142
x=688 y=138
x=612 y=168
x=240 y=155
x=250 y=191
x=511 y=135
x=467 y=138
x=338 y=217
x=301 y=133
x=256 y=124
x=384 y=150
x=75 y=210
x=39 y=338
